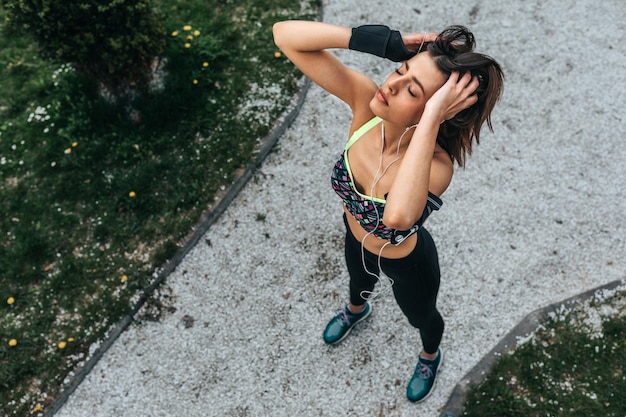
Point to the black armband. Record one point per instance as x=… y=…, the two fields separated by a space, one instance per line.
x=432 y=203
x=381 y=41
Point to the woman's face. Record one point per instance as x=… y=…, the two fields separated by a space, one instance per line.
x=403 y=95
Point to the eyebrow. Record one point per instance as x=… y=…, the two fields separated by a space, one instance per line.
x=406 y=64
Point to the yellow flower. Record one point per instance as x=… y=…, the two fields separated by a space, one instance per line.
x=62 y=345
x=10 y=300
x=189 y=37
x=68 y=151
x=187 y=27
x=70 y=339
x=277 y=54
x=74 y=144
x=124 y=278
x=175 y=33
x=132 y=194
x=196 y=33
x=12 y=342
x=187 y=45
x=195 y=82
x=205 y=64
x=37 y=408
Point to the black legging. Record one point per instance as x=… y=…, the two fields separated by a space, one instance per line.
x=415 y=287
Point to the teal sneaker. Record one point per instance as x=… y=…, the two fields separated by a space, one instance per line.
x=338 y=328
x=424 y=378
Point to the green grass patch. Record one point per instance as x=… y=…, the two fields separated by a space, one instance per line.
x=572 y=366
x=96 y=194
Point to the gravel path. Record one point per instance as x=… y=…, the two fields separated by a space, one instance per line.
x=538 y=216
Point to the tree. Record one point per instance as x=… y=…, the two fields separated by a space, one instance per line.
x=113 y=41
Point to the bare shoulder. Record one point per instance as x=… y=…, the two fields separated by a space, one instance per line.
x=441 y=171
x=364 y=91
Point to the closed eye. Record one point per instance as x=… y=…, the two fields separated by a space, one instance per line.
x=408 y=88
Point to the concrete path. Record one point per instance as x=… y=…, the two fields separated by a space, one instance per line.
x=538 y=216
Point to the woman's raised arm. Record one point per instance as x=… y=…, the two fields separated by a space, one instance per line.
x=305 y=43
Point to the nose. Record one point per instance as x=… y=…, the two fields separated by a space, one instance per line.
x=394 y=84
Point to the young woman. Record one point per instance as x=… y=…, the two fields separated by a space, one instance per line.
x=404 y=139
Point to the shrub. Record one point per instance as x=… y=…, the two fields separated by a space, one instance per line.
x=113 y=41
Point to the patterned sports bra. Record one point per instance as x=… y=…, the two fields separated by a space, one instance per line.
x=368 y=210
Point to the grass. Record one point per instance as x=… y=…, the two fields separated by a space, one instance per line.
x=96 y=195
x=572 y=366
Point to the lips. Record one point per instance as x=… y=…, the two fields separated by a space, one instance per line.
x=382 y=97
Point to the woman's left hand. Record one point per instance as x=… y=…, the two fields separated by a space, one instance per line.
x=457 y=94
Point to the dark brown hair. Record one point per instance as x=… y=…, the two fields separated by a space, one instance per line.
x=453 y=50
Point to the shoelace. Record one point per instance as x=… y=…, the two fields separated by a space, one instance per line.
x=424 y=371
x=344 y=316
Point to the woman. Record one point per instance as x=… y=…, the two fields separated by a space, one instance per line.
x=405 y=137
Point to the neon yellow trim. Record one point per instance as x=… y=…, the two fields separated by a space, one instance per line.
x=356 y=136
x=361 y=131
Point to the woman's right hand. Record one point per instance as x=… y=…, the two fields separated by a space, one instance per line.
x=414 y=41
